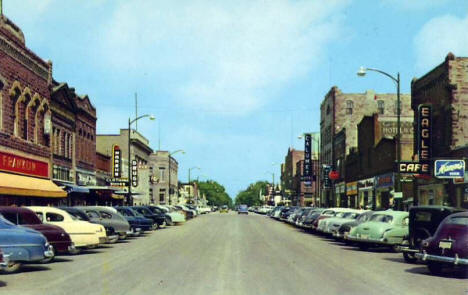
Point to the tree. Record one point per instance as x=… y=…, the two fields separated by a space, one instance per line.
x=251 y=196
x=215 y=193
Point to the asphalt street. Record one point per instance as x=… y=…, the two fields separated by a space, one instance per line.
x=229 y=254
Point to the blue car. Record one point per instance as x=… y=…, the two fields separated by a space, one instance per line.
x=22 y=245
x=137 y=221
x=243 y=209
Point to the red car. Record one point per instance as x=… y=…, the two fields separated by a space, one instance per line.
x=56 y=236
x=448 y=247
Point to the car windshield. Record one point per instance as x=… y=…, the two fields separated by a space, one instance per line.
x=125 y=212
x=349 y=215
x=382 y=218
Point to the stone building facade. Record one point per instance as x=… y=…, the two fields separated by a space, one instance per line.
x=445 y=88
x=163 y=177
x=340 y=110
x=25 y=123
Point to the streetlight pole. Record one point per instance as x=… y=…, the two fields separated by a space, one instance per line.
x=169 y=168
x=361 y=73
x=130 y=122
x=190 y=169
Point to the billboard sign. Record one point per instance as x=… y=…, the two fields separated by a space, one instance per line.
x=449 y=168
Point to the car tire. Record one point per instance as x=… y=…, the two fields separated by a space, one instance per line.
x=162 y=225
x=12 y=267
x=75 y=251
x=434 y=267
x=409 y=257
x=49 y=259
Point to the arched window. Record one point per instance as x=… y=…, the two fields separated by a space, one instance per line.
x=1 y=105
x=381 y=107
x=349 y=107
x=15 y=94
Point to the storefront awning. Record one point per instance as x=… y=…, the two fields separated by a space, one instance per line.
x=103 y=188
x=18 y=185
x=76 y=189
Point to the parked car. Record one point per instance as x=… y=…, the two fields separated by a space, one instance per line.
x=309 y=220
x=172 y=216
x=59 y=240
x=423 y=222
x=384 y=228
x=109 y=218
x=346 y=227
x=190 y=213
x=224 y=209
x=448 y=247
x=22 y=245
x=135 y=218
x=327 y=213
x=82 y=233
x=333 y=223
x=301 y=217
x=242 y=209
x=159 y=219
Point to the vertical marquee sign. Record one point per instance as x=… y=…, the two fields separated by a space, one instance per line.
x=116 y=161
x=424 y=144
x=307 y=158
x=134 y=173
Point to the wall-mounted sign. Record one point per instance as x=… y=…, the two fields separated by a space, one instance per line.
x=384 y=180
x=134 y=173
x=424 y=132
x=116 y=161
x=307 y=157
x=22 y=165
x=117 y=181
x=351 y=188
x=414 y=167
x=449 y=169
x=326 y=179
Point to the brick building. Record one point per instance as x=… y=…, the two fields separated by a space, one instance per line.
x=445 y=88
x=288 y=174
x=369 y=168
x=25 y=123
x=341 y=110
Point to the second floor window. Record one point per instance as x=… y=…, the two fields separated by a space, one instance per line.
x=381 y=107
x=349 y=107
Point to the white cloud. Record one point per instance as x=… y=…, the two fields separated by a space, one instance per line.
x=438 y=37
x=222 y=56
x=414 y=4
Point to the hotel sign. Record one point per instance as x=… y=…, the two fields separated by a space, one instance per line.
x=116 y=161
x=307 y=173
x=449 y=169
x=21 y=165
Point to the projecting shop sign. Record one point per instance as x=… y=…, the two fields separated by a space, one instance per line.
x=116 y=161
x=449 y=169
x=134 y=173
x=307 y=173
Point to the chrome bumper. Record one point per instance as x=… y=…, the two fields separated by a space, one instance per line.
x=103 y=240
x=71 y=247
x=49 y=252
x=368 y=240
x=5 y=261
x=452 y=260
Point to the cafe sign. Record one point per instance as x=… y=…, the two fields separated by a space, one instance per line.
x=449 y=169
x=22 y=165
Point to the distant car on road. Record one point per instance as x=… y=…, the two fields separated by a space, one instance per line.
x=243 y=209
x=224 y=209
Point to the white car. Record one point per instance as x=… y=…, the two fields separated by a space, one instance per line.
x=175 y=216
x=82 y=233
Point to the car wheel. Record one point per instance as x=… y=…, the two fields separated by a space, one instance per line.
x=12 y=267
x=169 y=222
x=363 y=246
x=49 y=259
x=75 y=251
x=434 y=267
x=409 y=257
x=162 y=225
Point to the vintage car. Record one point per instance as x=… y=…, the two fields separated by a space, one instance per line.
x=59 y=240
x=423 y=222
x=332 y=224
x=172 y=216
x=242 y=209
x=346 y=227
x=82 y=233
x=22 y=245
x=224 y=209
x=448 y=247
x=93 y=217
x=133 y=217
x=384 y=228
x=324 y=223
x=309 y=220
x=110 y=218
x=327 y=213
x=189 y=213
x=159 y=219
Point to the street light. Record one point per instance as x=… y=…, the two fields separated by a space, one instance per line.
x=169 y=168
x=361 y=73
x=130 y=122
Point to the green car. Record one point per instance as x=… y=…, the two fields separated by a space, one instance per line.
x=384 y=228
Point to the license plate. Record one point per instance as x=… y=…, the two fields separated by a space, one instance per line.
x=364 y=236
x=445 y=245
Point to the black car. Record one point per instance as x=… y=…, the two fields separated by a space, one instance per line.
x=423 y=223
x=158 y=218
x=309 y=220
x=160 y=211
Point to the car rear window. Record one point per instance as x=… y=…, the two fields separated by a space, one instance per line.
x=382 y=218
x=459 y=220
x=53 y=217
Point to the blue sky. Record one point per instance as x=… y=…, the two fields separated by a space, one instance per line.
x=234 y=83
